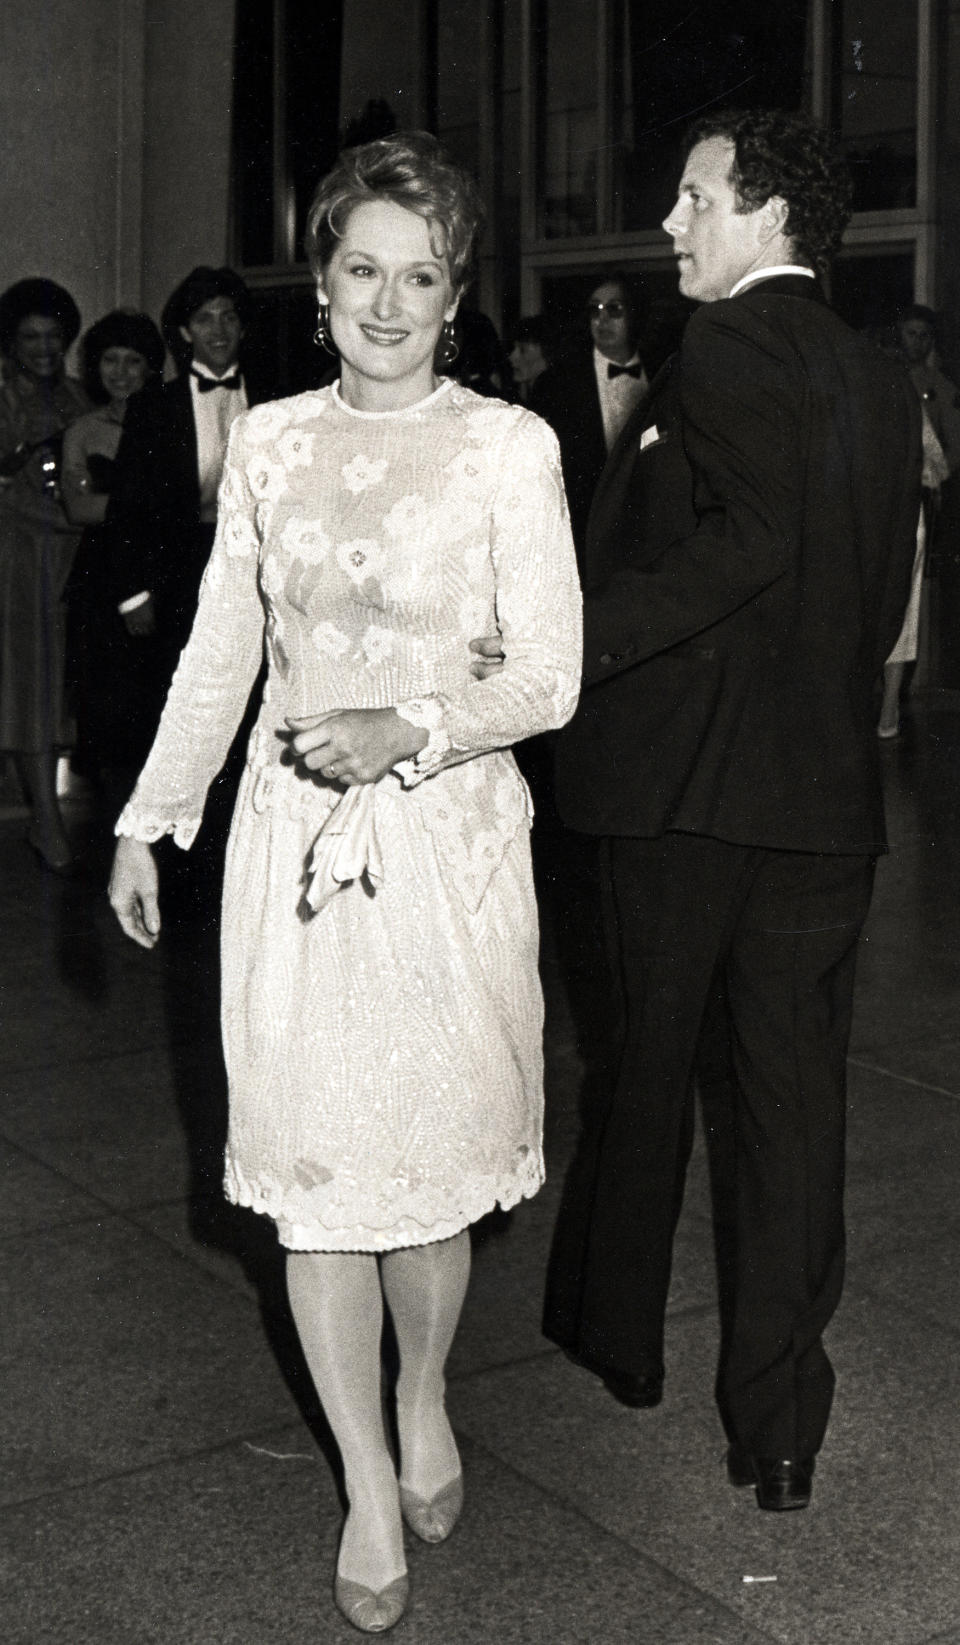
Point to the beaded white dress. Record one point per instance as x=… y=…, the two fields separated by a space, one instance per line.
x=382 y=1012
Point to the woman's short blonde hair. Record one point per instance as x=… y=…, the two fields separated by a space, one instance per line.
x=410 y=169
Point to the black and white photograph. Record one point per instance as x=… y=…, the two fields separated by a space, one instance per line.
x=480 y=822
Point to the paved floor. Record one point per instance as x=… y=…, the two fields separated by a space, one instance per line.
x=164 y=1475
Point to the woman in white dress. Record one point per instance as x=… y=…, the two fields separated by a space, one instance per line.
x=382 y=1013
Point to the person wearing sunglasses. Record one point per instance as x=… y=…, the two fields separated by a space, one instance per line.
x=589 y=394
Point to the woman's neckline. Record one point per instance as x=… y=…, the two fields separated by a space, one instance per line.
x=442 y=387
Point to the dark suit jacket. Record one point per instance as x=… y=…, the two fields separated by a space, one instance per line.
x=565 y=395
x=154 y=510
x=747 y=568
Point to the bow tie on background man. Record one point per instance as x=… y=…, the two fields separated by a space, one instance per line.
x=614 y=370
x=208 y=383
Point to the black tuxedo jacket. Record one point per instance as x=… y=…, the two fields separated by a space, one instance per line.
x=747 y=567
x=565 y=395
x=157 y=541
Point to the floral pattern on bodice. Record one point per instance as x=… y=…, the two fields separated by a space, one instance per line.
x=365 y=551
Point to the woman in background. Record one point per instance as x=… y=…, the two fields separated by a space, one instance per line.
x=122 y=353
x=935 y=471
x=38 y=322
x=532 y=354
x=382 y=1010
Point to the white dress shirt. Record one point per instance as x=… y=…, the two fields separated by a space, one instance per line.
x=618 y=395
x=214 y=413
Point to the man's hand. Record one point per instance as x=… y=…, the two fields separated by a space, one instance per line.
x=490 y=658
x=142 y=619
x=355 y=745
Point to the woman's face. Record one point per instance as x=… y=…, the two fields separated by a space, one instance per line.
x=389 y=294
x=917 y=339
x=122 y=372
x=38 y=346
x=527 y=361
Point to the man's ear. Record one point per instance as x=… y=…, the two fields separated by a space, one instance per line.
x=773 y=216
x=185 y=335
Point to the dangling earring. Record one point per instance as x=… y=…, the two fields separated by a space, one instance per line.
x=450 y=348
x=322 y=336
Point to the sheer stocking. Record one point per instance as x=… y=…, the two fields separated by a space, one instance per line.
x=425 y=1286
x=337 y=1305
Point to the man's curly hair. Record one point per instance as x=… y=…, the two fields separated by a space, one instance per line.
x=776 y=153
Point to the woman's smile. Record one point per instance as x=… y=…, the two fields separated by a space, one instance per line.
x=384 y=335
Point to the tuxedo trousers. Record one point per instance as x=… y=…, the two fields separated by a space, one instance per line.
x=690 y=920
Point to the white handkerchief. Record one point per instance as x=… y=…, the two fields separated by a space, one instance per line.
x=649 y=436
x=346 y=847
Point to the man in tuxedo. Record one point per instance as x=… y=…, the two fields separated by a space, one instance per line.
x=747 y=566
x=587 y=396
x=163 y=507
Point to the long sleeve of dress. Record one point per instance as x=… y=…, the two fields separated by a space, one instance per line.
x=538 y=614
x=214 y=677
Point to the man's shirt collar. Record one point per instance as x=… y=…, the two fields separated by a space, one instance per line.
x=772 y=273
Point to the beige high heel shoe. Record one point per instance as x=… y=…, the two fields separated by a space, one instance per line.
x=433 y=1519
x=369 y=1612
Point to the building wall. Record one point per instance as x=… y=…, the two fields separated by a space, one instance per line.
x=60 y=76
x=115 y=178
x=186 y=140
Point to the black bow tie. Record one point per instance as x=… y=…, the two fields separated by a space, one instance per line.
x=206 y=384
x=624 y=371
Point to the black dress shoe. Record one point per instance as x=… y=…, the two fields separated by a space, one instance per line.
x=781 y=1484
x=640 y=1392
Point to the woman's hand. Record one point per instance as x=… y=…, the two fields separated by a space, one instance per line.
x=355 y=745
x=133 y=891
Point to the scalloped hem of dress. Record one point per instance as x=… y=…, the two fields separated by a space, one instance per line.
x=406 y=1231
